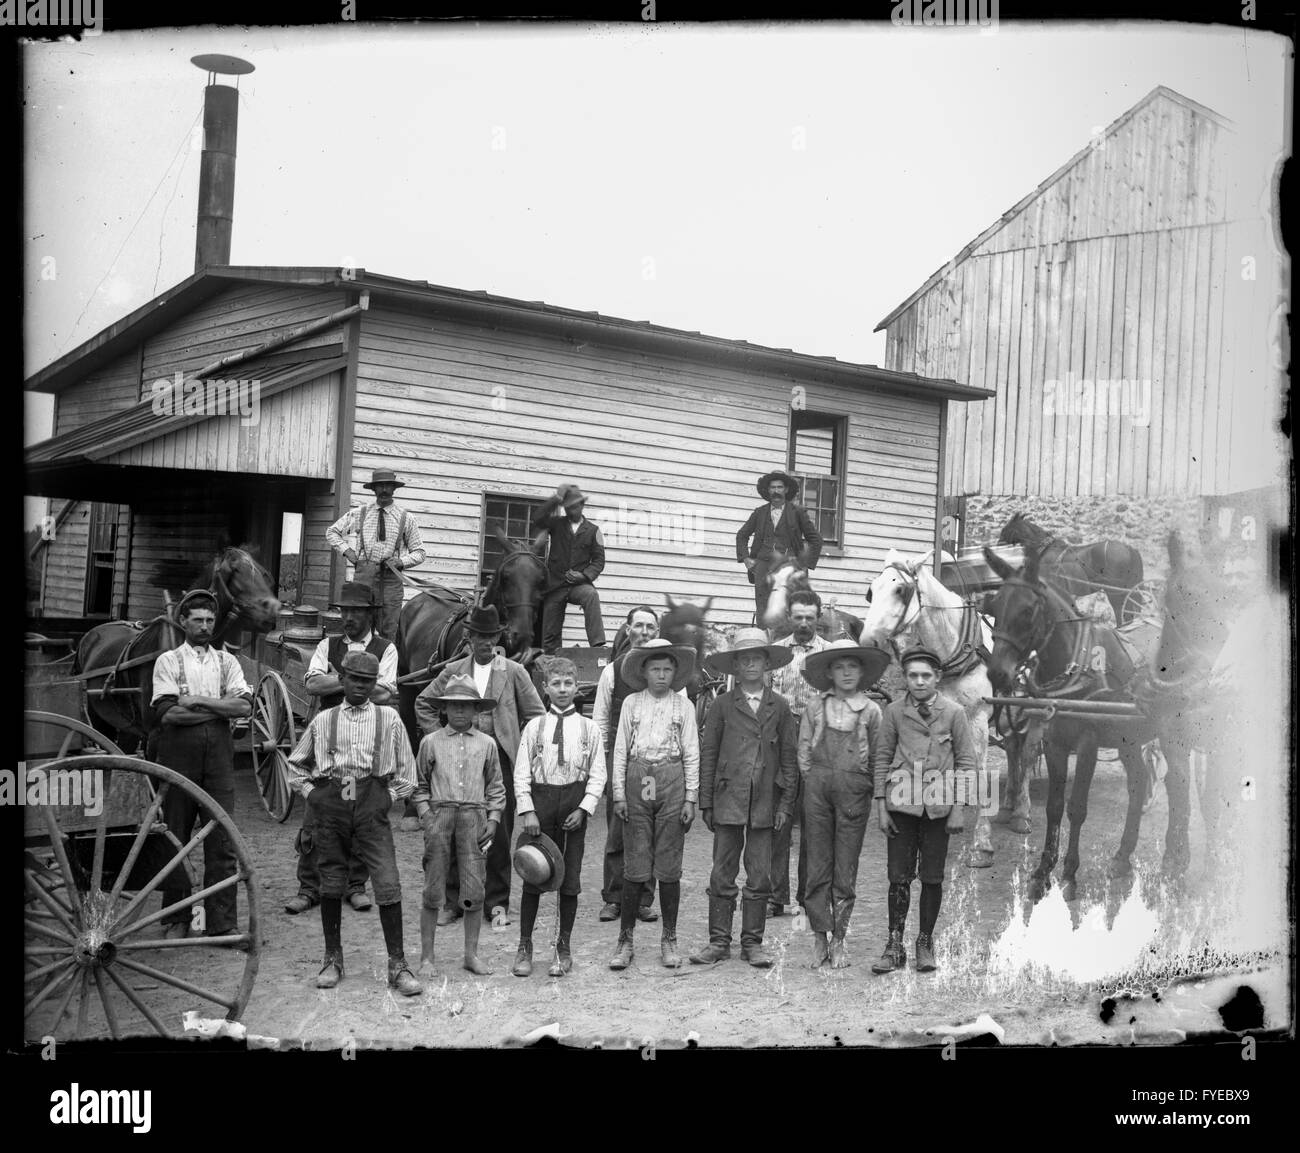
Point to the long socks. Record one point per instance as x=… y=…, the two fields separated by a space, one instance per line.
x=390 y=917
x=568 y=913
x=931 y=898
x=331 y=920
x=900 y=897
x=630 y=899
x=528 y=905
x=670 y=896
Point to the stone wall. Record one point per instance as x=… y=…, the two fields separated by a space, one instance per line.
x=1141 y=522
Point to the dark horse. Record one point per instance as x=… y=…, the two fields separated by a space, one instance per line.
x=1079 y=569
x=431 y=629
x=1069 y=658
x=122 y=653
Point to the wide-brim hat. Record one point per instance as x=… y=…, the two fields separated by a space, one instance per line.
x=921 y=653
x=462 y=688
x=634 y=662
x=539 y=862
x=748 y=641
x=817 y=666
x=384 y=476
x=569 y=495
x=483 y=619
x=354 y=595
x=360 y=664
x=791 y=483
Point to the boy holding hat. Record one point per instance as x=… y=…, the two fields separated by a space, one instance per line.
x=836 y=737
x=351 y=764
x=559 y=777
x=778 y=527
x=388 y=540
x=656 y=780
x=459 y=795
x=748 y=774
x=923 y=736
x=323 y=681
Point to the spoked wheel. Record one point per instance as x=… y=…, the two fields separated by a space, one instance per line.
x=1144 y=600
x=88 y=944
x=273 y=736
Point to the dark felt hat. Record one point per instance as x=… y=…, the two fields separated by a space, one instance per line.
x=355 y=595
x=483 y=619
x=383 y=476
x=791 y=483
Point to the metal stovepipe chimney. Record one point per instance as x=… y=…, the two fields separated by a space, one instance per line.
x=217 y=168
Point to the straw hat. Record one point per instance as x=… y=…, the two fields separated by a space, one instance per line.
x=873 y=658
x=539 y=862
x=462 y=688
x=748 y=641
x=634 y=662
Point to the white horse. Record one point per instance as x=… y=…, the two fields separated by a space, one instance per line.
x=907 y=605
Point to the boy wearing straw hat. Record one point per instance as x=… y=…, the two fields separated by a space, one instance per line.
x=748 y=774
x=459 y=796
x=836 y=737
x=656 y=780
x=559 y=777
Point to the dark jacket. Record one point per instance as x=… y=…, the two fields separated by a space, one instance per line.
x=796 y=535
x=583 y=551
x=744 y=758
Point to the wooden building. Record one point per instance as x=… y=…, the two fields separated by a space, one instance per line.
x=1126 y=316
x=482 y=404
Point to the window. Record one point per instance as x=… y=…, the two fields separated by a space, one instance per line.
x=100 y=560
x=514 y=515
x=818 y=449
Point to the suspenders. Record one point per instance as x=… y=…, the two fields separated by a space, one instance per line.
x=332 y=745
x=361 y=530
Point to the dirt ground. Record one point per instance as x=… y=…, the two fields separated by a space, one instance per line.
x=731 y=1004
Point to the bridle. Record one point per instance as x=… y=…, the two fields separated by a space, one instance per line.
x=1027 y=653
x=510 y=606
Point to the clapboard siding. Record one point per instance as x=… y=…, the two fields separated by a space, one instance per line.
x=460 y=410
x=183 y=524
x=293 y=435
x=63 y=589
x=101 y=394
x=315 y=558
x=1118 y=268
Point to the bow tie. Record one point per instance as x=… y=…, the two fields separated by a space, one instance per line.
x=558 y=739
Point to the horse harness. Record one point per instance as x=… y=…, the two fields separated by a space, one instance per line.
x=970 y=650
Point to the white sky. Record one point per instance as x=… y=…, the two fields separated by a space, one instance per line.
x=647 y=172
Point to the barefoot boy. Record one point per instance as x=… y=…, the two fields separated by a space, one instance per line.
x=459 y=796
x=559 y=777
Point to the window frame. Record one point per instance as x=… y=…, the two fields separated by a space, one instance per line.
x=808 y=419
x=533 y=503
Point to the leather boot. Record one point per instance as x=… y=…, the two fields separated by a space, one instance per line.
x=524 y=959
x=722 y=912
x=894 y=957
x=925 y=954
x=623 y=955
x=563 y=962
x=753 y=921
x=668 y=953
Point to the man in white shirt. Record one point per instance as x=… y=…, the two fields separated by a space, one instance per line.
x=197 y=692
x=387 y=541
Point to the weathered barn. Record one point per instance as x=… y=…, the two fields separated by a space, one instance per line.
x=483 y=404
x=1125 y=314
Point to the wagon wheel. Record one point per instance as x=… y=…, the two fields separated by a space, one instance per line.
x=273 y=736
x=1143 y=600
x=86 y=939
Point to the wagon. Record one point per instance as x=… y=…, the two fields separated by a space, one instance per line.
x=96 y=851
x=282 y=709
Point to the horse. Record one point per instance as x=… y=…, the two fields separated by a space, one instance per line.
x=788 y=577
x=431 y=626
x=1069 y=658
x=121 y=654
x=907 y=605
x=1110 y=565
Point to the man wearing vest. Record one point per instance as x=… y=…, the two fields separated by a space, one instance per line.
x=779 y=529
x=351 y=764
x=323 y=681
x=576 y=559
x=508 y=684
x=388 y=540
x=197 y=692
x=611 y=691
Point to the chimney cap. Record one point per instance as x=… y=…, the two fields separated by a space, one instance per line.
x=223 y=64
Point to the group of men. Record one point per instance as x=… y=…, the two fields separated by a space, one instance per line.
x=796 y=737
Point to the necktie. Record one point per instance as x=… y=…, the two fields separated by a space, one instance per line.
x=382 y=519
x=558 y=739
x=923 y=707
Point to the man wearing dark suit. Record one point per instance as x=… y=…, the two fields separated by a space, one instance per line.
x=576 y=559
x=779 y=527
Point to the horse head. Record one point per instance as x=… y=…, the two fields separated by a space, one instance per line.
x=517 y=588
x=891 y=598
x=787 y=575
x=685 y=623
x=1194 y=621
x=1025 y=612
x=244 y=588
x=1021 y=530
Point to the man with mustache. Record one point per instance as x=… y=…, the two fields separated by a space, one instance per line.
x=778 y=528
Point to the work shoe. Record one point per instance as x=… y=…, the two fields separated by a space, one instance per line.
x=402 y=980
x=331 y=972
x=646 y=913
x=894 y=957
x=299 y=904
x=839 y=953
x=925 y=954
x=623 y=955
x=359 y=901
x=563 y=962
x=722 y=912
x=668 y=953
x=448 y=914
x=774 y=909
x=524 y=960
x=609 y=912
x=410 y=824
x=756 y=955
